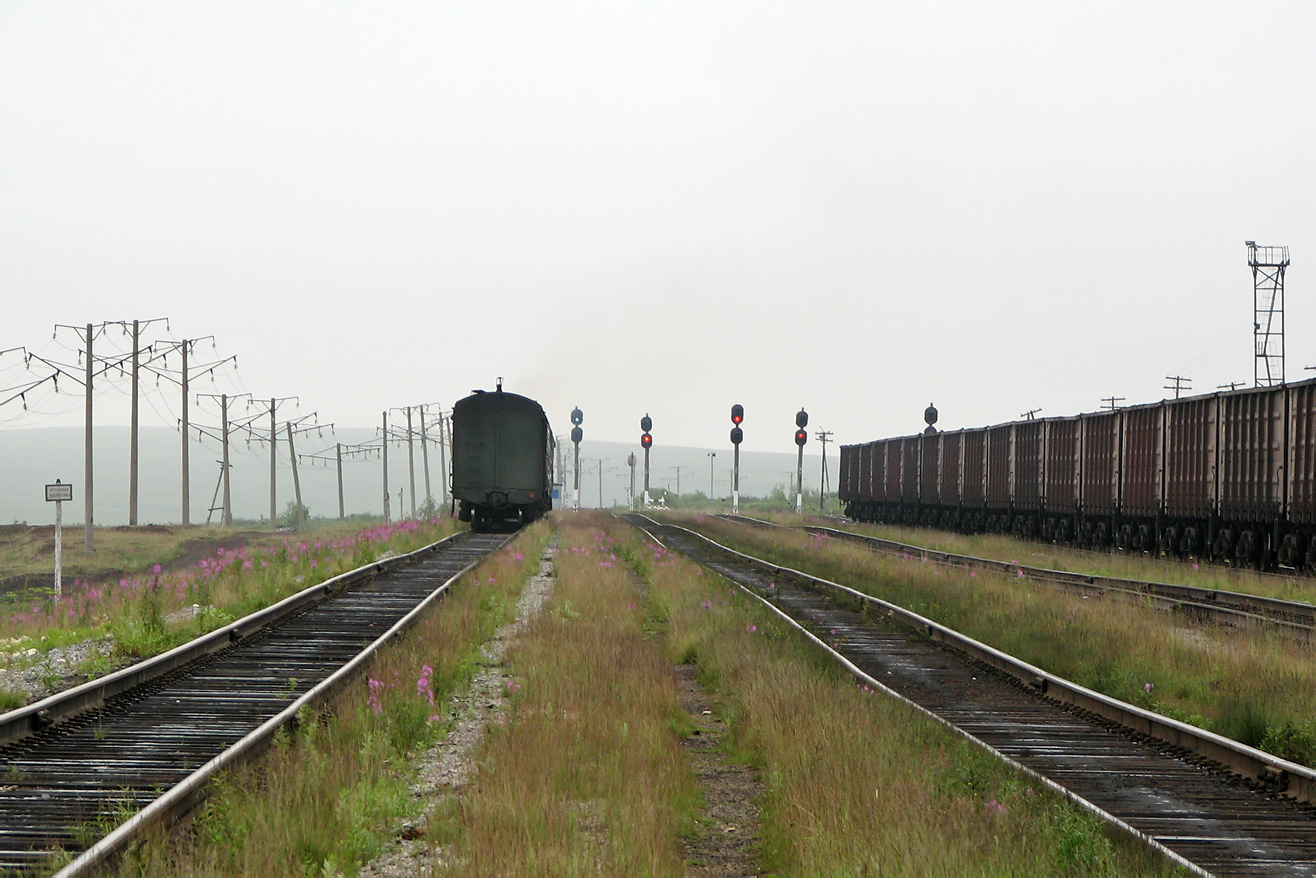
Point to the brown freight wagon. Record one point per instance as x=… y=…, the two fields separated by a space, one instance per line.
x=1060 y=471
x=909 y=448
x=1299 y=545
x=1140 y=470
x=1028 y=465
x=974 y=480
x=1251 y=477
x=950 y=466
x=929 y=471
x=999 y=441
x=864 y=489
x=847 y=474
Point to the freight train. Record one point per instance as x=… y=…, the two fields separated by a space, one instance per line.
x=502 y=460
x=1228 y=476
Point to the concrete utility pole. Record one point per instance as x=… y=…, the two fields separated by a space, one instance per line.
x=678 y=477
x=227 y=518
x=630 y=499
x=711 y=455
x=341 y=513
x=88 y=545
x=384 y=441
x=296 y=483
x=823 y=436
x=274 y=455
x=187 y=472
x=132 y=444
x=184 y=381
x=425 y=459
x=411 y=465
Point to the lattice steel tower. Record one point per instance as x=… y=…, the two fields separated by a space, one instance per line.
x=1268 y=264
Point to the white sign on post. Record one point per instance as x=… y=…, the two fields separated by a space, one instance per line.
x=57 y=494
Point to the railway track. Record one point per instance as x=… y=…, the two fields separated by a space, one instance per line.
x=83 y=771
x=1233 y=609
x=1209 y=803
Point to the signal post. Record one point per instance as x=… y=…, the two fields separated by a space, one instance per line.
x=646 y=442
x=630 y=499
x=577 y=417
x=737 y=435
x=801 y=436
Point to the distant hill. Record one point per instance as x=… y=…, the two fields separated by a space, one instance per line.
x=32 y=458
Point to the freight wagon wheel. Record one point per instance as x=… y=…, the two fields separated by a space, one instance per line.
x=1191 y=541
x=1169 y=540
x=1246 y=551
x=1289 y=551
x=1224 y=544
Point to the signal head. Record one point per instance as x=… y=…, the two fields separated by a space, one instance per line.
x=577 y=416
x=737 y=435
x=646 y=440
x=801 y=419
x=801 y=437
x=737 y=414
x=577 y=434
x=930 y=414
x=646 y=423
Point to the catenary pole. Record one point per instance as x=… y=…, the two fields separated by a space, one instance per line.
x=88 y=545
x=296 y=482
x=384 y=445
x=187 y=472
x=132 y=441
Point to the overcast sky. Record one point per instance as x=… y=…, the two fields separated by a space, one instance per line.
x=663 y=207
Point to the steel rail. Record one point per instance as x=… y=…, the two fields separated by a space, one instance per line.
x=875 y=683
x=1236 y=824
x=192 y=740
x=1294 y=619
x=25 y=721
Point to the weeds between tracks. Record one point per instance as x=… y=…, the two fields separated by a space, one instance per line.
x=1254 y=687
x=328 y=796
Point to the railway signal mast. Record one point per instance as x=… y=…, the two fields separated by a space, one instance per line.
x=577 y=416
x=801 y=437
x=1268 y=264
x=646 y=441
x=737 y=435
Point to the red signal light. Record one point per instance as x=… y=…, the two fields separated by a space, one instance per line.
x=646 y=440
x=801 y=437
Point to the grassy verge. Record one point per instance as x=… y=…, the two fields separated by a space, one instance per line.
x=587 y=777
x=326 y=798
x=1123 y=566
x=153 y=612
x=859 y=784
x=1254 y=688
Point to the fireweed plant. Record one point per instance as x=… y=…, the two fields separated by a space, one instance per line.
x=332 y=791
x=142 y=613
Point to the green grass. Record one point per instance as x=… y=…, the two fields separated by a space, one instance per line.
x=586 y=777
x=1254 y=687
x=330 y=793
x=858 y=783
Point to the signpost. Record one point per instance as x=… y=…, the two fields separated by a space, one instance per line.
x=57 y=494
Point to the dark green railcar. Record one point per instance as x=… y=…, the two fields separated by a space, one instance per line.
x=502 y=460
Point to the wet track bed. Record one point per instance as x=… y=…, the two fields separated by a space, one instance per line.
x=63 y=787
x=1221 y=822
